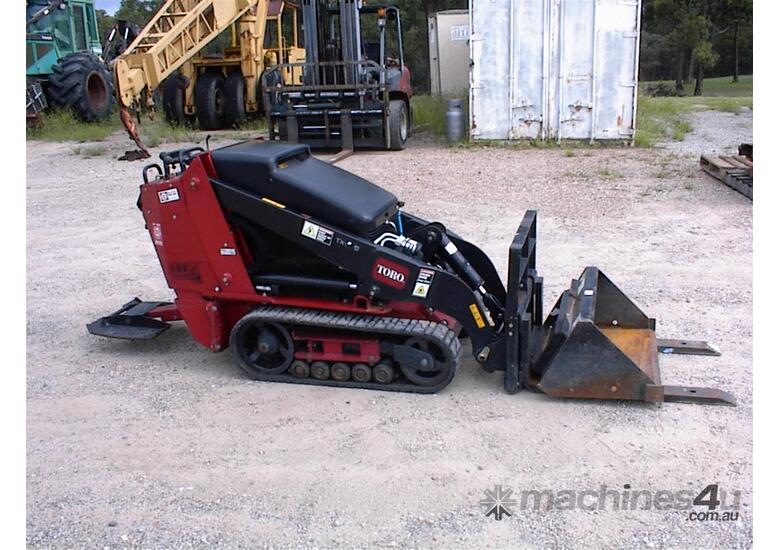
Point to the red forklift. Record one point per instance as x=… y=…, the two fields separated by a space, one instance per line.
x=353 y=90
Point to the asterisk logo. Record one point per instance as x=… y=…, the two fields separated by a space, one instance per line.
x=498 y=502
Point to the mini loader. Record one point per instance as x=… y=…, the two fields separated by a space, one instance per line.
x=314 y=275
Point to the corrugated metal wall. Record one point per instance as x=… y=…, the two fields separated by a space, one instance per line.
x=554 y=69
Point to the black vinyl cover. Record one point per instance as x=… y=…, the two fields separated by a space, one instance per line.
x=287 y=173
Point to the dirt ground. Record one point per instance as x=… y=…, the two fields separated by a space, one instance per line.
x=163 y=444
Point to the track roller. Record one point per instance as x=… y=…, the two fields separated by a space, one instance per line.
x=320 y=370
x=299 y=369
x=361 y=373
x=340 y=372
x=384 y=373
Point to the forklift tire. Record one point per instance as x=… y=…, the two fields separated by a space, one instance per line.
x=235 y=99
x=82 y=82
x=173 y=99
x=210 y=100
x=399 y=124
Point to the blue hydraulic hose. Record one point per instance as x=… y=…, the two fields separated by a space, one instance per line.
x=400 y=224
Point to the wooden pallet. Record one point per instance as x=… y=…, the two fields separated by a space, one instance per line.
x=736 y=171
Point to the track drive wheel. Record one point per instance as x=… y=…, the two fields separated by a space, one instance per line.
x=83 y=83
x=399 y=124
x=235 y=99
x=261 y=347
x=426 y=374
x=210 y=100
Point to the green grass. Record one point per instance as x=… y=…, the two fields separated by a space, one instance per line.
x=605 y=172
x=59 y=125
x=665 y=118
x=429 y=114
x=721 y=86
x=157 y=131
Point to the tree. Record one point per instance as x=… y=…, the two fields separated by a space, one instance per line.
x=105 y=22
x=690 y=39
x=138 y=11
x=736 y=14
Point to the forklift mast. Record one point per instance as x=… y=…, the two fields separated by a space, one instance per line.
x=348 y=85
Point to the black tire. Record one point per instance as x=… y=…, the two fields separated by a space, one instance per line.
x=210 y=100
x=235 y=99
x=173 y=99
x=82 y=83
x=399 y=124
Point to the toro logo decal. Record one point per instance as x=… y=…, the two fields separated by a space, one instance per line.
x=390 y=273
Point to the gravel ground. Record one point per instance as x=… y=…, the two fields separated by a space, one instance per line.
x=714 y=132
x=163 y=444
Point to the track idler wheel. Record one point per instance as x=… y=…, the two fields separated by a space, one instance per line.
x=262 y=348
x=431 y=369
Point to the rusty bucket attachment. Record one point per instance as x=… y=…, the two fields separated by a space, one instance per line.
x=595 y=344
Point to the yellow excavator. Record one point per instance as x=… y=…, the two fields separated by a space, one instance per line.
x=220 y=90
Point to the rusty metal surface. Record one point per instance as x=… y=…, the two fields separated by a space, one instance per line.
x=686 y=347
x=598 y=344
x=639 y=345
x=132 y=131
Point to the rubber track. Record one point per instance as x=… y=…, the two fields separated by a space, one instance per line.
x=437 y=333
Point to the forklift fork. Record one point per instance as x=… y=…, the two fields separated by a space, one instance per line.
x=595 y=343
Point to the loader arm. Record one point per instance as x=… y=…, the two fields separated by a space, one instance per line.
x=174 y=35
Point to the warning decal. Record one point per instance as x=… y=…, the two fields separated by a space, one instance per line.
x=317 y=233
x=477 y=316
x=423 y=284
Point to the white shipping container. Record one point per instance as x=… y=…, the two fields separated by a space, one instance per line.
x=554 y=69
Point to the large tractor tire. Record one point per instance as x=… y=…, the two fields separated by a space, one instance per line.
x=399 y=124
x=173 y=90
x=210 y=100
x=235 y=99
x=83 y=83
